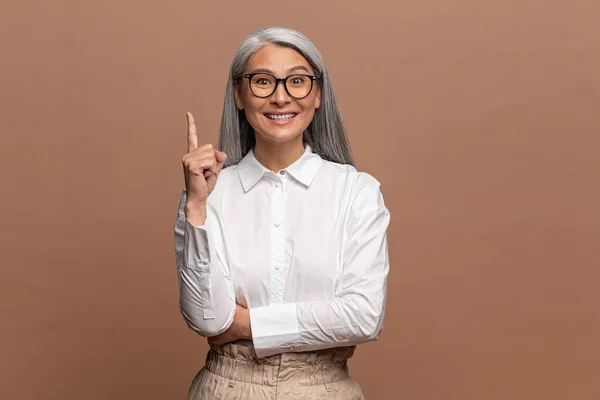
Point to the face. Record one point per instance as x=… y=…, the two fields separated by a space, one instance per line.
x=279 y=117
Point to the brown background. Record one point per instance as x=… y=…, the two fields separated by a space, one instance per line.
x=479 y=118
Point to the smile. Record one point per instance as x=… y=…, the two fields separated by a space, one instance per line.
x=281 y=117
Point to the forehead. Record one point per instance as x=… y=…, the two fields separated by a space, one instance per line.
x=277 y=59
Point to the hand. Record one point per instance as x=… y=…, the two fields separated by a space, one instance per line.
x=239 y=329
x=201 y=166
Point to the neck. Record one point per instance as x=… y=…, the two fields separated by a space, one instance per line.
x=277 y=156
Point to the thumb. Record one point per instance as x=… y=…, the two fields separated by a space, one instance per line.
x=220 y=156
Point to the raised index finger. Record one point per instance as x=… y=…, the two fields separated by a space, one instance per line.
x=192 y=136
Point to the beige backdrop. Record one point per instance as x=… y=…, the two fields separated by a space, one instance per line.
x=480 y=118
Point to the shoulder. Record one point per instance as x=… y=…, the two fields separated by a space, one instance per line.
x=364 y=190
x=227 y=177
x=228 y=173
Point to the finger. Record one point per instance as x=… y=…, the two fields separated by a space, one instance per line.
x=220 y=157
x=203 y=165
x=214 y=166
x=192 y=136
x=203 y=157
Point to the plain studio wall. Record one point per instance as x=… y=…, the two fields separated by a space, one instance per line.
x=480 y=119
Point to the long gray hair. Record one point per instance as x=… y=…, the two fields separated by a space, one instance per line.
x=325 y=134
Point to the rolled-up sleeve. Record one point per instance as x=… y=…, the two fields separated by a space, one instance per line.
x=206 y=296
x=356 y=314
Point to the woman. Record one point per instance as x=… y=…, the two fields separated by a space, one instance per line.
x=280 y=243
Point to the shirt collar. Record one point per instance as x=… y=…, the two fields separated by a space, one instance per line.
x=303 y=170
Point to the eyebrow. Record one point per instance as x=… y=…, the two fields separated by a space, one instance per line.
x=293 y=69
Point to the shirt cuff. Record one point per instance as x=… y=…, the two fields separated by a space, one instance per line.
x=275 y=329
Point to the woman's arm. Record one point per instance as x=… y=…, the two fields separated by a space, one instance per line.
x=206 y=297
x=356 y=314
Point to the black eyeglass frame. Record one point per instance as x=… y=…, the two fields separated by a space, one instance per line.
x=312 y=78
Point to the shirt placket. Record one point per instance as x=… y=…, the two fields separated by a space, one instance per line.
x=277 y=285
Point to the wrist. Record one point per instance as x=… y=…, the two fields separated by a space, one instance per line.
x=248 y=330
x=195 y=212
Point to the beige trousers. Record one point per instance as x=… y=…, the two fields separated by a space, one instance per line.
x=233 y=372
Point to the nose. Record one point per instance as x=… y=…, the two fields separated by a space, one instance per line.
x=280 y=96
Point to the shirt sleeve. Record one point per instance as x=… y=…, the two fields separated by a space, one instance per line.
x=206 y=295
x=355 y=315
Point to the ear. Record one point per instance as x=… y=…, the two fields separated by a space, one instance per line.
x=238 y=97
x=318 y=97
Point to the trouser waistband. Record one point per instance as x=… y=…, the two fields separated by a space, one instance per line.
x=237 y=361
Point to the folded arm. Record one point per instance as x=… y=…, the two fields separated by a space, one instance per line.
x=356 y=314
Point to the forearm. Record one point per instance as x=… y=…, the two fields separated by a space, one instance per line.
x=305 y=326
x=206 y=293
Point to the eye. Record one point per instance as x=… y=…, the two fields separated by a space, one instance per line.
x=298 y=81
x=262 y=80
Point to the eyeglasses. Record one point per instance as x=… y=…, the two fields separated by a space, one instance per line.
x=263 y=84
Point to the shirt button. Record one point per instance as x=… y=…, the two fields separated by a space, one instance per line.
x=282 y=172
x=277 y=185
x=277 y=267
x=291 y=349
x=276 y=224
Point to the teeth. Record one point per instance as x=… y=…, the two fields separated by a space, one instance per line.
x=280 y=116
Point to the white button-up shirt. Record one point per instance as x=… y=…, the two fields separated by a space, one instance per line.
x=305 y=249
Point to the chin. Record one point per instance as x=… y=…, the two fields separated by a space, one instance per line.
x=280 y=136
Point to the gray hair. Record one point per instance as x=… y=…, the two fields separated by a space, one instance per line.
x=326 y=134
